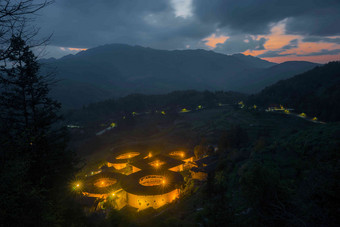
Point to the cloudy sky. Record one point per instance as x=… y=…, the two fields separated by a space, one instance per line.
x=275 y=30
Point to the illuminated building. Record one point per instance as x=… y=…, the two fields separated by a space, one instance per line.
x=102 y=184
x=120 y=160
x=152 y=188
x=153 y=182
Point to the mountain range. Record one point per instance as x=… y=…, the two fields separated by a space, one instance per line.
x=117 y=70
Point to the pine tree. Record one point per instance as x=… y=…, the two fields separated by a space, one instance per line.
x=32 y=137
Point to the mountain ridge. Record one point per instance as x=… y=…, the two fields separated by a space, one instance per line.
x=118 y=69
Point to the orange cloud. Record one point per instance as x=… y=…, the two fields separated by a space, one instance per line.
x=278 y=39
x=213 y=40
x=253 y=52
x=77 y=49
x=72 y=49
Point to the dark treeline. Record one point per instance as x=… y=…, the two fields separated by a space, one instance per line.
x=171 y=102
x=289 y=181
x=316 y=93
x=36 y=168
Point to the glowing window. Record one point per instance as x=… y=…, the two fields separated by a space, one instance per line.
x=152 y=180
x=104 y=182
x=179 y=154
x=128 y=155
x=156 y=163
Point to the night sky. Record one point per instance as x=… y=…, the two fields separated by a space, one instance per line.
x=275 y=30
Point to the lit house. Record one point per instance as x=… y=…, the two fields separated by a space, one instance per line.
x=101 y=184
x=159 y=162
x=152 y=188
x=154 y=181
x=121 y=160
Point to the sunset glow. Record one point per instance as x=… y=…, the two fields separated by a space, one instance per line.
x=72 y=49
x=278 y=39
x=213 y=40
x=280 y=47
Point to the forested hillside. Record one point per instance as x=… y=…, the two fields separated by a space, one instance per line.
x=316 y=93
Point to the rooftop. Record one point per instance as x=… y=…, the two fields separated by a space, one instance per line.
x=164 y=162
x=172 y=180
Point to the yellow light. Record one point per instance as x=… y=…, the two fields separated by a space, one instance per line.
x=150 y=155
x=182 y=154
x=78 y=185
x=163 y=181
x=113 y=194
x=102 y=182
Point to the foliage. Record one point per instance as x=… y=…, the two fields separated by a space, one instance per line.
x=316 y=93
x=234 y=138
x=292 y=181
x=35 y=163
x=170 y=103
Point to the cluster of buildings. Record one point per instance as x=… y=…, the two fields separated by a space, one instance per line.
x=141 y=179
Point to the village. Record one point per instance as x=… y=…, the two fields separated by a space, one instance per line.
x=143 y=179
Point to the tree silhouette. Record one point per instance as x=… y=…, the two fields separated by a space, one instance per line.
x=32 y=139
x=14 y=16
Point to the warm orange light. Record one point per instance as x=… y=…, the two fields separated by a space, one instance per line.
x=76 y=186
x=128 y=155
x=213 y=40
x=113 y=194
x=77 y=49
x=102 y=182
x=156 y=163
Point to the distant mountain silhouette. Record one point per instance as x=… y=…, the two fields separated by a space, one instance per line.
x=315 y=92
x=116 y=70
x=275 y=73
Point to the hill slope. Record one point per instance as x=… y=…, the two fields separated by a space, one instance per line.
x=271 y=75
x=316 y=92
x=117 y=70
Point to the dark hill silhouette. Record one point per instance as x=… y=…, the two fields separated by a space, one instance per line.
x=117 y=70
x=276 y=73
x=316 y=93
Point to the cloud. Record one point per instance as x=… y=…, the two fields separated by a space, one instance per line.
x=272 y=53
x=240 y=43
x=213 y=40
x=292 y=44
x=322 y=52
x=183 y=8
x=255 y=17
x=54 y=51
x=317 y=39
x=258 y=27
x=322 y=20
x=155 y=23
